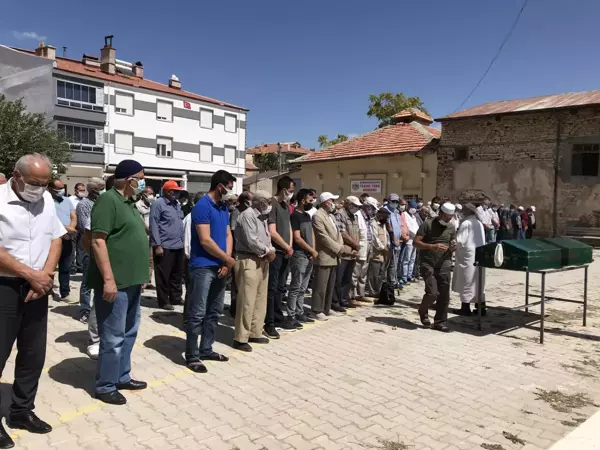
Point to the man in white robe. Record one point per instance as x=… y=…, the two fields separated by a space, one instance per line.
x=465 y=280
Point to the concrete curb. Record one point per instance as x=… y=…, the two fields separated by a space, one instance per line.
x=584 y=437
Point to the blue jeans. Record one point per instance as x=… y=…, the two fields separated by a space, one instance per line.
x=409 y=253
x=206 y=298
x=399 y=266
x=301 y=268
x=521 y=233
x=118 y=324
x=64 y=268
x=84 y=291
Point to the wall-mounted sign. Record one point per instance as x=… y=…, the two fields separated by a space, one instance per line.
x=187 y=105
x=365 y=186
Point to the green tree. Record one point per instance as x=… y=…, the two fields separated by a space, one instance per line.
x=22 y=133
x=325 y=142
x=267 y=161
x=386 y=104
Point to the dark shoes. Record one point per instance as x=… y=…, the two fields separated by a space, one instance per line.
x=242 y=346
x=27 y=421
x=84 y=317
x=339 y=309
x=112 y=398
x=465 y=310
x=441 y=327
x=483 y=309
x=286 y=325
x=132 y=385
x=271 y=333
x=259 y=340
x=425 y=321
x=5 y=440
x=167 y=307
x=305 y=319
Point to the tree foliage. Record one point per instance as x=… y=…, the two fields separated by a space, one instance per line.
x=325 y=142
x=386 y=104
x=266 y=162
x=22 y=133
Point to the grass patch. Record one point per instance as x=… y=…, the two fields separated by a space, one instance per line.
x=574 y=422
x=378 y=330
x=530 y=364
x=392 y=445
x=492 y=447
x=512 y=438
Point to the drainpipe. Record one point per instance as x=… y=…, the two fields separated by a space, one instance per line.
x=556 y=176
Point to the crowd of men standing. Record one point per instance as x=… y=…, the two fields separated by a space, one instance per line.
x=350 y=252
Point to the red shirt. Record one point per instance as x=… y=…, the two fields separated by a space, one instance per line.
x=524 y=219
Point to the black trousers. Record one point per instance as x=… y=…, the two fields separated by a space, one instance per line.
x=278 y=273
x=343 y=282
x=27 y=323
x=437 y=290
x=168 y=271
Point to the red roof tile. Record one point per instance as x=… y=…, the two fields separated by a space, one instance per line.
x=75 y=66
x=413 y=112
x=250 y=166
x=528 y=104
x=393 y=139
x=272 y=148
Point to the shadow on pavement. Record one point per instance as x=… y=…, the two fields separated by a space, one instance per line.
x=173 y=318
x=5 y=398
x=79 y=373
x=77 y=339
x=171 y=347
x=397 y=322
x=71 y=311
x=497 y=320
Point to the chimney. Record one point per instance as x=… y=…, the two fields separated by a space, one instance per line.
x=108 y=56
x=174 y=82
x=412 y=115
x=90 y=60
x=138 y=69
x=46 y=51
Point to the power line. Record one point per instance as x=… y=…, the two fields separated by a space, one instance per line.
x=509 y=34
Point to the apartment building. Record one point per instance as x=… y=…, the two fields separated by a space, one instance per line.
x=110 y=112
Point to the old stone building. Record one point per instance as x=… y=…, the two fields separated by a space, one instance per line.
x=542 y=151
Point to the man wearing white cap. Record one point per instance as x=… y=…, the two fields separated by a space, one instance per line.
x=436 y=239
x=530 y=221
x=330 y=246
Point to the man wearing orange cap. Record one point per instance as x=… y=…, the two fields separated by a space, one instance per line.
x=166 y=238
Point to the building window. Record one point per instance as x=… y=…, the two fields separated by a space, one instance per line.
x=124 y=142
x=230 y=154
x=86 y=139
x=230 y=123
x=411 y=197
x=206 y=151
x=124 y=104
x=163 y=147
x=77 y=95
x=206 y=118
x=164 y=111
x=585 y=160
x=461 y=153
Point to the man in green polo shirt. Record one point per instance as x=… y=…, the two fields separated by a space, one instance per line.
x=118 y=268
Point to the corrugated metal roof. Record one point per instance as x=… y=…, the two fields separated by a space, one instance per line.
x=528 y=104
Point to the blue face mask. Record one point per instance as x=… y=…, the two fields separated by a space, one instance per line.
x=140 y=187
x=393 y=205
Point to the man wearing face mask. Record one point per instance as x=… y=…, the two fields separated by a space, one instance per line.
x=409 y=252
x=434 y=206
x=421 y=216
x=77 y=257
x=380 y=248
x=166 y=238
x=330 y=247
x=348 y=225
x=253 y=254
x=185 y=202
x=395 y=228
x=84 y=212
x=485 y=217
x=30 y=247
x=281 y=236
x=436 y=239
x=66 y=215
x=145 y=201
x=210 y=263
x=118 y=235
x=366 y=225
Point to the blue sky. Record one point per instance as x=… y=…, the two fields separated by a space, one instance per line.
x=306 y=68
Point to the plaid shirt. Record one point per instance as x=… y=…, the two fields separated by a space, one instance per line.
x=369 y=223
x=83 y=212
x=340 y=222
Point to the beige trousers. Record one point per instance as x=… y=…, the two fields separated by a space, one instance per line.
x=252 y=280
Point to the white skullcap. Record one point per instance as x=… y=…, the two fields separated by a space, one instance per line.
x=520 y=208
x=458 y=206
x=370 y=201
x=448 y=208
x=533 y=208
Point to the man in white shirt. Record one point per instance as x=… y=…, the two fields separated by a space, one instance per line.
x=145 y=200
x=30 y=247
x=77 y=254
x=409 y=252
x=485 y=217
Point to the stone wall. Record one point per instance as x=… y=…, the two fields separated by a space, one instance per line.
x=511 y=157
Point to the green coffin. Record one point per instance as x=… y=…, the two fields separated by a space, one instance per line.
x=521 y=255
x=573 y=252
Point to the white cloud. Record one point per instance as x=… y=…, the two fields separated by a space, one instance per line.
x=353 y=135
x=21 y=35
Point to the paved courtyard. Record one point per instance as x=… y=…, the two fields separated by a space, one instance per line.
x=371 y=379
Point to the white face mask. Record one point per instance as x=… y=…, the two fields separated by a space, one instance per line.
x=330 y=207
x=227 y=196
x=32 y=194
x=80 y=194
x=411 y=211
x=150 y=198
x=288 y=196
x=267 y=210
x=435 y=206
x=353 y=209
x=59 y=192
x=443 y=223
x=402 y=208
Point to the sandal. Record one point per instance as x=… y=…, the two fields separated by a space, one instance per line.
x=214 y=356
x=197 y=367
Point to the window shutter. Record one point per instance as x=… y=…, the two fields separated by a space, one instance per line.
x=230 y=123
x=205 y=152
x=100 y=96
x=125 y=102
x=100 y=137
x=230 y=155
x=164 y=110
x=123 y=143
x=206 y=118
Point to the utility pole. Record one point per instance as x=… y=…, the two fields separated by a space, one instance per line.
x=278 y=158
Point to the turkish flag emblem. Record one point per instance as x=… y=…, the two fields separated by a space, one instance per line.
x=187 y=105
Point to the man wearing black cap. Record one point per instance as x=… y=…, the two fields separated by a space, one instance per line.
x=118 y=268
